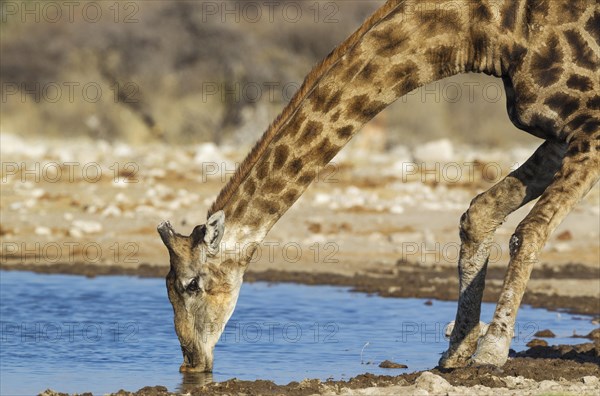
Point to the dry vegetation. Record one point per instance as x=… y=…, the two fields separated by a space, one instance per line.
x=168 y=58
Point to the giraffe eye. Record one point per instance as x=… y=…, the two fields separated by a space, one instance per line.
x=193 y=286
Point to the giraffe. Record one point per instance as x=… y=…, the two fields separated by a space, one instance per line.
x=547 y=52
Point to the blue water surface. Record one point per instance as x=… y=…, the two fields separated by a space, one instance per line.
x=76 y=334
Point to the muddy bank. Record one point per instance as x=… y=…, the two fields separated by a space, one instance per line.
x=404 y=280
x=562 y=364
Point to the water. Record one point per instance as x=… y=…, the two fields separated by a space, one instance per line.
x=75 y=334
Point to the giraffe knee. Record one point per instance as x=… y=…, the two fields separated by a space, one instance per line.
x=474 y=223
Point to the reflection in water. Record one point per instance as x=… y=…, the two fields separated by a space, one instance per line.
x=191 y=380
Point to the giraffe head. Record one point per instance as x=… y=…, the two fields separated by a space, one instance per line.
x=203 y=290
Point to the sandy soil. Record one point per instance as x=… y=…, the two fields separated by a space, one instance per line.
x=379 y=222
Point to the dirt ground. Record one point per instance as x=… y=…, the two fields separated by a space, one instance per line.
x=379 y=222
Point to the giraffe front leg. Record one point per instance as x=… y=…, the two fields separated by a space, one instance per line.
x=477 y=227
x=578 y=174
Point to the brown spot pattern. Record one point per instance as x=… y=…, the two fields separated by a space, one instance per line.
x=263 y=169
x=407 y=77
x=546 y=65
x=281 y=155
x=391 y=40
x=336 y=116
x=481 y=13
x=267 y=205
x=580 y=83
x=290 y=197
x=594 y=103
x=368 y=72
x=273 y=186
x=295 y=167
x=573 y=10
x=593 y=26
x=327 y=151
x=307 y=177
x=249 y=186
x=310 y=132
x=295 y=124
x=563 y=104
x=361 y=108
x=431 y=22
x=536 y=10
x=240 y=209
x=509 y=15
x=583 y=55
x=325 y=101
x=345 y=132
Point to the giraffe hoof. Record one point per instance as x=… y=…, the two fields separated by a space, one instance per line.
x=488 y=359
x=451 y=362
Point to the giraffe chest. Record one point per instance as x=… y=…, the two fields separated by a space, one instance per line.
x=553 y=99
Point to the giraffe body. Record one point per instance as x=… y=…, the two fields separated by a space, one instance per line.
x=548 y=55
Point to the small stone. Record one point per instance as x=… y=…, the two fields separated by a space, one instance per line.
x=397 y=209
x=439 y=150
x=75 y=233
x=428 y=303
x=111 y=211
x=43 y=231
x=37 y=192
x=432 y=383
x=545 y=334
x=547 y=384
x=565 y=236
x=87 y=226
x=537 y=343
x=590 y=380
x=315 y=228
x=392 y=365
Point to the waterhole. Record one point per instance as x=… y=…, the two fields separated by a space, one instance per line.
x=76 y=334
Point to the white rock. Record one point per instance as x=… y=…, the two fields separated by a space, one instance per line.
x=75 y=233
x=121 y=198
x=590 y=380
x=321 y=198
x=353 y=190
x=397 y=209
x=438 y=150
x=87 y=226
x=547 y=384
x=432 y=383
x=121 y=182
x=122 y=150
x=13 y=145
x=43 y=231
x=157 y=172
x=68 y=216
x=37 y=192
x=209 y=153
x=562 y=247
x=111 y=211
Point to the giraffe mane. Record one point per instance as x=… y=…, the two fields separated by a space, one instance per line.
x=309 y=84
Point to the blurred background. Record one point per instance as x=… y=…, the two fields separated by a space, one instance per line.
x=204 y=71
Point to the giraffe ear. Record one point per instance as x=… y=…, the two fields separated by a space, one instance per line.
x=215 y=226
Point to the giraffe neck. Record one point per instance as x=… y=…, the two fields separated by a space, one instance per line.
x=398 y=49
